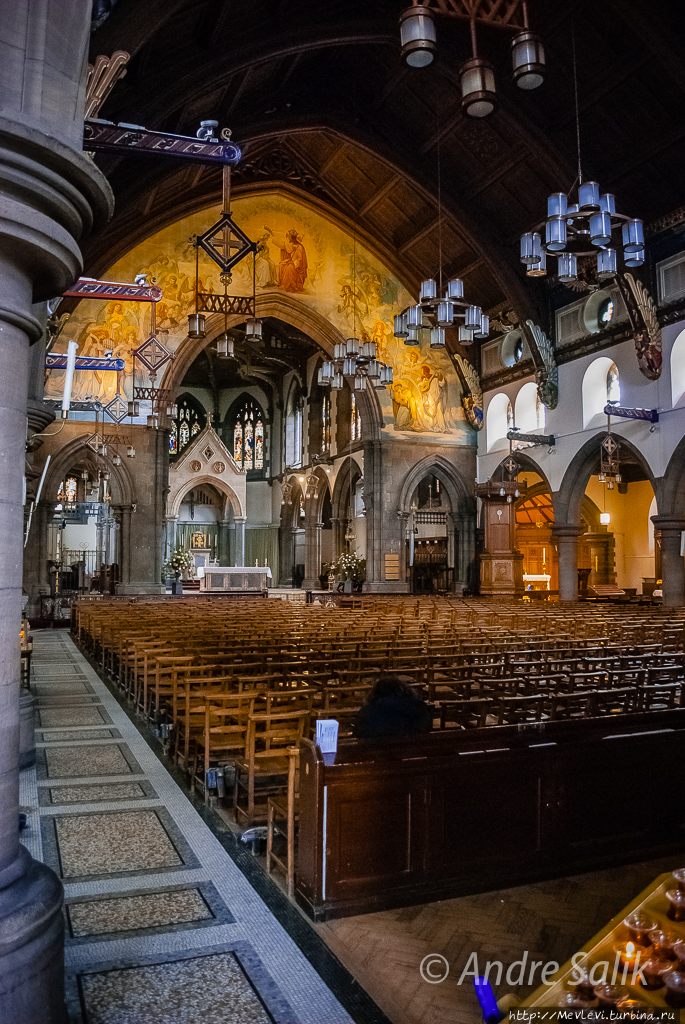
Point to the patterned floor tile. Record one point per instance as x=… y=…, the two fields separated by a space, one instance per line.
x=204 y=990
x=82 y=762
x=57 y=717
x=86 y=734
x=129 y=913
x=93 y=844
x=61 y=689
x=96 y=794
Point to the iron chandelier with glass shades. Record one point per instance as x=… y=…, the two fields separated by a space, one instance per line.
x=358 y=360
x=583 y=224
x=433 y=313
x=419 y=41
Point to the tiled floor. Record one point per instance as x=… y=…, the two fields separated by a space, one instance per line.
x=161 y=925
x=170 y=922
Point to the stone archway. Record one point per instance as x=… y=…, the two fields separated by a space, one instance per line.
x=568 y=502
x=291 y=311
x=459 y=519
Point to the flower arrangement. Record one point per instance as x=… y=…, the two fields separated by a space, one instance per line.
x=347 y=566
x=180 y=565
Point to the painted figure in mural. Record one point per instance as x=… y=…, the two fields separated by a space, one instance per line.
x=292 y=268
x=266 y=274
x=432 y=386
x=350 y=300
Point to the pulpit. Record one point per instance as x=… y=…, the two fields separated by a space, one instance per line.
x=501 y=565
x=233 y=579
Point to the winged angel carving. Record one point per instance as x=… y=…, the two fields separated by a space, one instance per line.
x=646 y=328
x=547 y=375
x=472 y=394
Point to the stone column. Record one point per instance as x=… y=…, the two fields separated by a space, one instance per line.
x=223 y=547
x=50 y=193
x=123 y=514
x=171 y=522
x=312 y=554
x=468 y=574
x=150 y=471
x=240 y=539
x=672 y=562
x=286 y=557
x=339 y=526
x=566 y=537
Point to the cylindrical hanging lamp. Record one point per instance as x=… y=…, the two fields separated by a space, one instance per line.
x=555 y=234
x=600 y=229
x=538 y=269
x=606 y=263
x=478 y=96
x=528 y=60
x=531 y=247
x=196 y=325
x=418 y=36
x=412 y=338
x=253 y=330
x=414 y=317
x=455 y=289
x=472 y=319
x=567 y=267
x=437 y=337
x=557 y=204
x=400 y=322
x=445 y=315
x=588 y=196
x=352 y=346
x=429 y=289
x=633 y=236
x=635 y=258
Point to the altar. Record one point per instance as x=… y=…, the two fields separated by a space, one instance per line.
x=226 y=579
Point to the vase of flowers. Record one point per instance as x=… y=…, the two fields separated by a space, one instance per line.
x=349 y=570
x=180 y=566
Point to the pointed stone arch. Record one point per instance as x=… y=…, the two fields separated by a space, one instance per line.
x=291 y=311
x=461 y=496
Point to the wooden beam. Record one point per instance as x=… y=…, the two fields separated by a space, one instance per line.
x=427 y=230
x=380 y=194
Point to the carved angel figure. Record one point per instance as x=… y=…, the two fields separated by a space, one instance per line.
x=547 y=375
x=472 y=394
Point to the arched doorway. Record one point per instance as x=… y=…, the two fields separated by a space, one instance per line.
x=428 y=566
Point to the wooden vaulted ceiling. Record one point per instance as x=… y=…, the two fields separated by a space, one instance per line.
x=318 y=97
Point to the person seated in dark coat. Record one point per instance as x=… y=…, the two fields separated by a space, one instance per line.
x=392 y=709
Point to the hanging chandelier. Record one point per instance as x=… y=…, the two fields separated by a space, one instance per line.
x=582 y=223
x=358 y=361
x=432 y=314
x=418 y=37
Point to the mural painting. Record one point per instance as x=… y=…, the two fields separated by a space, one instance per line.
x=299 y=252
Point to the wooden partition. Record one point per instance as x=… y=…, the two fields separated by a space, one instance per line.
x=391 y=823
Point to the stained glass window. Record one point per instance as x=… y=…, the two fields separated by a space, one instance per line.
x=325 y=423
x=70 y=489
x=259 y=445
x=613 y=386
x=248 y=436
x=355 y=421
x=189 y=422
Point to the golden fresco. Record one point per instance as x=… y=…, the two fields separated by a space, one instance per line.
x=299 y=252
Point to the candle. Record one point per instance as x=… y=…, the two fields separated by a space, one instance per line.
x=676 y=899
x=640 y=925
x=653 y=971
x=629 y=1005
x=584 y=987
x=576 y=1001
x=663 y=943
x=679 y=876
x=675 y=989
x=609 y=995
x=629 y=954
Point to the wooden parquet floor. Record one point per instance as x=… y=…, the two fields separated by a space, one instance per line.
x=551 y=920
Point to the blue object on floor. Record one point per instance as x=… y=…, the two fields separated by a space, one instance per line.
x=488 y=1003
x=22 y=821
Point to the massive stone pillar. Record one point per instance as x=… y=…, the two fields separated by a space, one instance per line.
x=312 y=556
x=240 y=539
x=566 y=536
x=143 y=551
x=672 y=562
x=50 y=193
x=286 y=554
